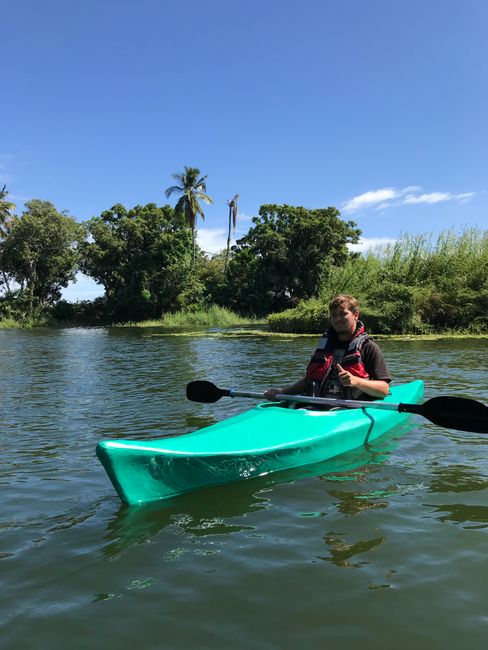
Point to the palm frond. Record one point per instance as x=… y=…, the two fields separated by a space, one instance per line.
x=171 y=190
x=233 y=209
x=180 y=206
x=205 y=198
x=201 y=184
x=6 y=209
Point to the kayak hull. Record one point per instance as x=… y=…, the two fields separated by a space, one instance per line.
x=267 y=438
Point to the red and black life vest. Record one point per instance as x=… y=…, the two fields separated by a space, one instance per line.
x=320 y=364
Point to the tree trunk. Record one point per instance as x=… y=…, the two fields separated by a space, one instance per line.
x=228 y=242
x=5 y=278
x=31 y=283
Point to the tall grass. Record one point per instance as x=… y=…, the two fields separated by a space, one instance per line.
x=214 y=316
x=9 y=323
x=414 y=285
x=453 y=260
x=12 y=323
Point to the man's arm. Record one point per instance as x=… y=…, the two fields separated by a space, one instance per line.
x=298 y=388
x=373 y=387
x=375 y=365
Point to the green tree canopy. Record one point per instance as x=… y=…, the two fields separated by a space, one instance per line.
x=141 y=257
x=39 y=253
x=284 y=255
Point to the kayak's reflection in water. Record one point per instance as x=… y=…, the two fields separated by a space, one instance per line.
x=205 y=512
x=222 y=510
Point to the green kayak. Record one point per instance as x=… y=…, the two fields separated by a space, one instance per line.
x=267 y=438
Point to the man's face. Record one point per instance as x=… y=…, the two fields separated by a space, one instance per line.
x=343 y=320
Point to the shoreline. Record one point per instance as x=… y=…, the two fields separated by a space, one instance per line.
x=238 y=330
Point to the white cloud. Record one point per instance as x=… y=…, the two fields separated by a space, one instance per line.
x=212 y=240
x=433 y=197
x=370 y=198
x=391 y=197
x=411 y=188
x=464 y=197
x=366 y=244
x=437 y=197
x=243 y=217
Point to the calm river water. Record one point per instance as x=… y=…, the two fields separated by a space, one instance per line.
x=385 y=547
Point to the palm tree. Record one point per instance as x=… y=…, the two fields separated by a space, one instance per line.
x=6 y=209
x=192 y=188
x=232 y=221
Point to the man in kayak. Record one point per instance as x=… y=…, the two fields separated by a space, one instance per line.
x=347 y=364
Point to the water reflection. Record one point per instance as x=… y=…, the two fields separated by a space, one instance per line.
x=457 y=478
x=462 y=480
x=198 y=514
x=341 y=552
x=355 y=501
x=460 y=513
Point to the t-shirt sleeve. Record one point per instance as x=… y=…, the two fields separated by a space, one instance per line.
x=374 y=362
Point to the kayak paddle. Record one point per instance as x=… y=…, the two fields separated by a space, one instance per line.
x=449 y=412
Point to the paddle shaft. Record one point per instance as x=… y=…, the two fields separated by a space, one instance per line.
x=326 y=401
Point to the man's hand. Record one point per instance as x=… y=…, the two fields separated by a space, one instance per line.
x=298 y=388
x=272 y=392
x=346 y=378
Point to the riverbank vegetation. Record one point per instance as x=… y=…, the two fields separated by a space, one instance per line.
x=212 y=317
x=284 y=270
x=413 y=286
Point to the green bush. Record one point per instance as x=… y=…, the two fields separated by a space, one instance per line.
x=393 y=309
x=83 y=312
x=309 y=316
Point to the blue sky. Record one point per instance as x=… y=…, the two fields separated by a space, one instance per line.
x=376 y=107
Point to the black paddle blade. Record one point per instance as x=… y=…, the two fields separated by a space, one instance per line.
x=204 y=391
x=456 y=413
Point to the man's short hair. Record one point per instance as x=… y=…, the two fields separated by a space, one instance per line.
x=344 y=300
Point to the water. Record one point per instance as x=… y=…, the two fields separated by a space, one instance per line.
x=385 y=546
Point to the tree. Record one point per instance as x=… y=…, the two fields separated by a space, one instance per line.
x=232 y=222
x=6 y=209
x=40 y=253
x=211 y=273
x=142 y=258
x=192 y=188
x=284 y=255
